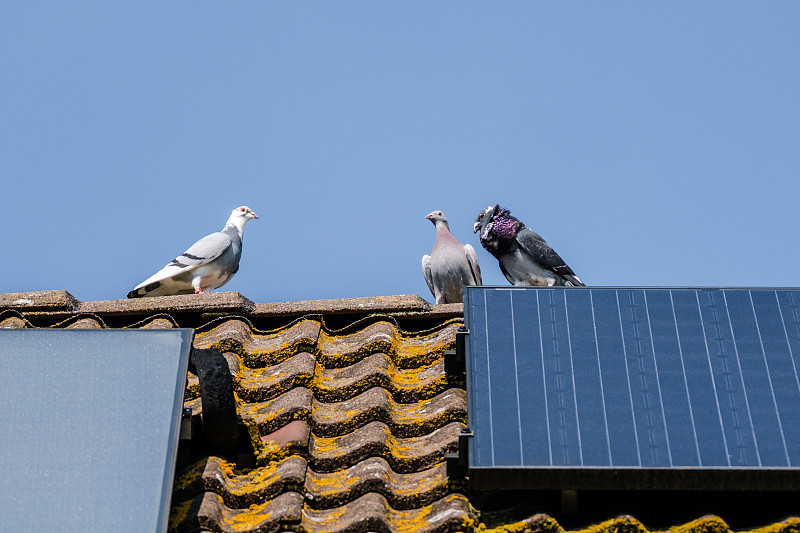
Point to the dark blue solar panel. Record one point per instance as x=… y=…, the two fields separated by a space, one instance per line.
x=634 y=378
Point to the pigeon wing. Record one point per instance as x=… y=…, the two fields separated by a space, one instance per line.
x=541 y=252
x=472 y=260
x=426 y=271
x=200 y=253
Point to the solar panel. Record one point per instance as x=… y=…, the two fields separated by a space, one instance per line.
x=629 y=387
x=89 y=424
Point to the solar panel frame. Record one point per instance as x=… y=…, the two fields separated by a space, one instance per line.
x=604 y=387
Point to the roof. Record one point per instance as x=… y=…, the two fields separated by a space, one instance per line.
x=348 y=415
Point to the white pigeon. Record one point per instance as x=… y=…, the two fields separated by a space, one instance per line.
x=451 y=264
x=210 y=263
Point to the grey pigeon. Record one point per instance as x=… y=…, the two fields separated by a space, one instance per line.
x=210 y=263
x=451 y=264
x=525 y=258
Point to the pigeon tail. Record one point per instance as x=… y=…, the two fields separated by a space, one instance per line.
x=142 y=291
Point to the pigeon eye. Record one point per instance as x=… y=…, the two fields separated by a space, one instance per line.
x=481 y=216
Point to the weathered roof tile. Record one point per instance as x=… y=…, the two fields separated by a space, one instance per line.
x=215 y=302
x=264 y=383
x=375 y=439
x=271 y=415
x=402 y=491
x=295 y=433
x=377 y=370
x=240 y=490
x=208 y=512
x=39 y=301
x=259 y=348
x=374 y=304
x=13 y=322
x=372 y=512
x=404 y=420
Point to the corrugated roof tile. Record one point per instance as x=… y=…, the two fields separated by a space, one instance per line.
x=372 y=512
x=375 y=475
x=375 y=439
x=240 y=490
x=208 y=512
x=258 y=349
x=271 y=415
x=404 y=419
x=13 y=322
x=267 y=382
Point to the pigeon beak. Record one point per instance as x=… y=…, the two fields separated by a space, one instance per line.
x=429 y=217
x=253 y=215
x=476 y=227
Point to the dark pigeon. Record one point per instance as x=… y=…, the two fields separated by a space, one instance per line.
x=451 y=264
x=525 y=258
x=209 y=264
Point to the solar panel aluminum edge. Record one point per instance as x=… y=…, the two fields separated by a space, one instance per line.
x=634 y=387
x=89 y=427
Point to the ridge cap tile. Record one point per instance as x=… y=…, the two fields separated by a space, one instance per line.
x=214 y=302
x=51 y=300
x=373 y=304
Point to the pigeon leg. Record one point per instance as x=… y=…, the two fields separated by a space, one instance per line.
x=196 y=284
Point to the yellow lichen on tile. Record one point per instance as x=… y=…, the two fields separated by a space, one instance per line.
x=626 y=524
x=425 y=353
x=158 y=323
x=192 y=388
x=191 y=473
x=178 y=513
x=248 y=520
x=86 y=323
x=422 y=519
x=327 y=484
x=264 y=358
x=436 y=478
x=265 y=452
x=413 y=377
x=790 y=525
x=375 y=473
x=537 y=524
x=401 y=448
x=706 y=524
x=263 y=413
x=247 y=482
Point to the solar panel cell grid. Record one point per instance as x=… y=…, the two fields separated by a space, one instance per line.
x=634 y=378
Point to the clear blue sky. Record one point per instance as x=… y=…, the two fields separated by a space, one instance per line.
x=650 y=143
